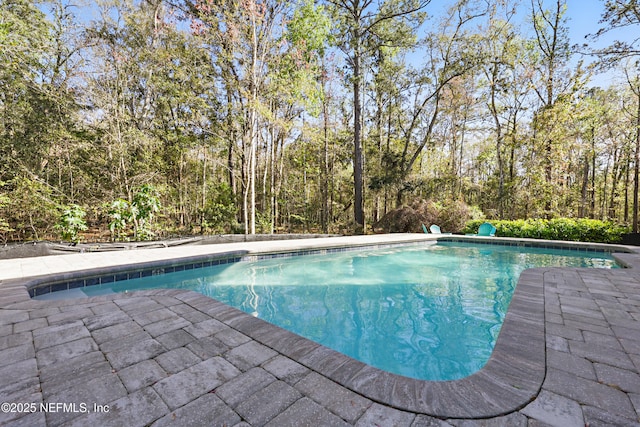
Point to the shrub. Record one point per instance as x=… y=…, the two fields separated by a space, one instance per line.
x=30 y=208
x=138 y=214
x=71 y=222
x=451 y=216
x=408 y=219
x=219 y=213
x=119 y=212
x=583 y=230
x=146 y=203
x=4 y=224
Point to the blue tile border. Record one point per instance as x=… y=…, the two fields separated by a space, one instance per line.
x=85 y=278
x=531 y=243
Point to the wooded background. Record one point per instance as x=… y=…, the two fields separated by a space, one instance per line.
x=164 y=117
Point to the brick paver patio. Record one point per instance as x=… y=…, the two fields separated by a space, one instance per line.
x=170 y=357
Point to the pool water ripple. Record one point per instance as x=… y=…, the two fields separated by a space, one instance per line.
x=430 y=312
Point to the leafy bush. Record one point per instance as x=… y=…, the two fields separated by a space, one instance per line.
x=71 y=223
x=451 y=216
x=219 y=214
x=408 y=219
x=119 y=212
x=582 y=230
x=138 y=214
x=146 y=203
x=4 y=224
x=30 y=208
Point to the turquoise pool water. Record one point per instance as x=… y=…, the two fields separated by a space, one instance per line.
x=429 y=312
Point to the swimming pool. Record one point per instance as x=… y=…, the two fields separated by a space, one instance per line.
x=425 y=311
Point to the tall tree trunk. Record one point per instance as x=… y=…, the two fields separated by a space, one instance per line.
x=379 y=127
x=358 y=202
x=245 y=180
x=616 y=176
x=499 y=138
x=232 y=142
x=582 y=211
x=636 y=168
x=324 y=188
x=626 y=186
x=253 y=157
x=324 y=218
x=272 y=182
x=204 y=187
x=603 y=202
x=593 y=173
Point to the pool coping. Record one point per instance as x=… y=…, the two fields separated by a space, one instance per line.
x=510 y=380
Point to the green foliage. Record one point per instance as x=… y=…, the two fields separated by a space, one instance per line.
x=23 y=35
x=137 y=215
x=4 y=225
x=296 y=74
x=71 y=223
x=263 y=223
x=119 y=212
x=182 y=110
x=309 y=29
x=579 y=230
x=146 y=203
x=31 y=208
x=219 y=213
x=453 y=215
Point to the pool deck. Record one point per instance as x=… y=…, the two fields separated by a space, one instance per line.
x=568 y=354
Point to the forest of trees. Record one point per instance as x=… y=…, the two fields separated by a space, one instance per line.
x=168 y=117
